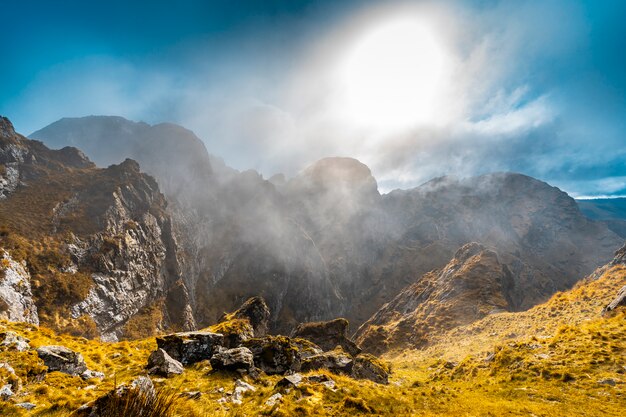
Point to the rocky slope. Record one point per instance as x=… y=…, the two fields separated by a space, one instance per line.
x=472 y=285
x=326 y=243
x=97 y=243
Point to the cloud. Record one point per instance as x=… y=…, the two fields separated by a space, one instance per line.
x=517 y=96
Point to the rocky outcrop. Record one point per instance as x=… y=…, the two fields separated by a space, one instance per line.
x=233 y=359
x=472 y=285
x=337 y=361
x=256 y=311
x=328 y=335
x=369 y=367
x=160 y=363
x=16 y=297
x=274 y=354
x=62 y=359
x=190 y=347
x=13 y=341
x=107 y=228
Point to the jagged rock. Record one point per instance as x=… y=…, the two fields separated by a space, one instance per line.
x=89 y=374
x=13 y=341
x=306 y=348
x=233 y=359
x=241 y=388
x=290 y=381
x=256 y=311
x=337 y=361
x=160 y=363
x=191 y=395
x=274 y=354
x=274 y=399
x=62 y=359
x=369 y=367
x=26 y=406
x=6 y=392
x=190 y=347
x=16 y=297
x=328 y=335
x=235 y=331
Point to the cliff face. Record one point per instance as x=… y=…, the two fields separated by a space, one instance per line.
x=98 y=243
x=326 y=243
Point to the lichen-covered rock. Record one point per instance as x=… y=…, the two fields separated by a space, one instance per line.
x=16 y=297
x=337 y=361
x=369 y=367
x=62 y=359
x=290 y=381
x=6 y=392
x=13 y=341
x=235 y=331
x=328 y=335
x=256 y=311
x=274 y=354
x=89 y=374
x=103 y=406
x=306 y=348
x=190 y=347
x=233 y=359
x=160 y=363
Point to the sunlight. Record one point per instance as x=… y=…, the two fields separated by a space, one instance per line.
x=392 y=76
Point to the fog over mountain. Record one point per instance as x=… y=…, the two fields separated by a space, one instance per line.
x=326 y=242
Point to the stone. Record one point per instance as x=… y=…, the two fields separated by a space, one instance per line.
x=328 y=335
x=243 y=386
x=190 y=347
x=274 y=354
x=619 y=300
x=6 y=392
x=101 y=404
x=16 y=297
x=62 y=359
x=89 y=374
x=274 y=399
x=13 y=341
x=290 y=381
x=607 y=381
x=256 y=311
x=306 y=347
x=233 y=359
x=160 y=363
x=368 y=367
x=26 y=406
x=336 y=361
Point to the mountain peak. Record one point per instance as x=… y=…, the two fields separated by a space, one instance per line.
x=6 y=127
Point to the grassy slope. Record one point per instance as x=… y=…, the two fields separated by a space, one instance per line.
x=545 y=362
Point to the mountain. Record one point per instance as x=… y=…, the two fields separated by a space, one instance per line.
x=326 y=243
x=97 y=244
x=611 y=211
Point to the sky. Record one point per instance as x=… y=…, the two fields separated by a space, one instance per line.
x=414 y=89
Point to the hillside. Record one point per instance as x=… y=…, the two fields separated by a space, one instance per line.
x=611 y=211
x=562 y=357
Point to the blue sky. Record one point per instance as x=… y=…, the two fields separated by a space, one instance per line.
x=537 y=87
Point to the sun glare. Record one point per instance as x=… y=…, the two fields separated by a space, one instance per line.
x=392 y=76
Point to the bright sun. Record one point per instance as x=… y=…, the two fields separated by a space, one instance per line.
x=392 y=76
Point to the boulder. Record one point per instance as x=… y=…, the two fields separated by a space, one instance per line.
x=13 y=341
x=107 y=404
x=619 y=300
x=306 y=347
x=160 y=363
x=89 y=374
x=190 y=347
x=62 y=359
x=6 y=392
x=257 y=313
x=369 y=367
x=328 y=335
x=235 y=331
x=26 y=406
x=233 y=359
x=337 y=361
x=274 y=354
x=290 y=381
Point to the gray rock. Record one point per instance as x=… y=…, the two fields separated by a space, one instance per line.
x=160 y=363
x=16 y=297
x=607 y=381
x=190 y=347
x=274 y=399
x=62 y=359
x=233 y=359
x=619 y=300
x=26 y=406
x=6 y=392
x=191 y=395
x=274 y=354
x=256 y=311
x=368 y=367
x=89 y=374
x=336 y=361
x=13 y=341
x=290 y=381
x=328 y=335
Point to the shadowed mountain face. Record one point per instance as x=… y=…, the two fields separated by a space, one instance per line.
x=611 y=211
x=326 y=243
